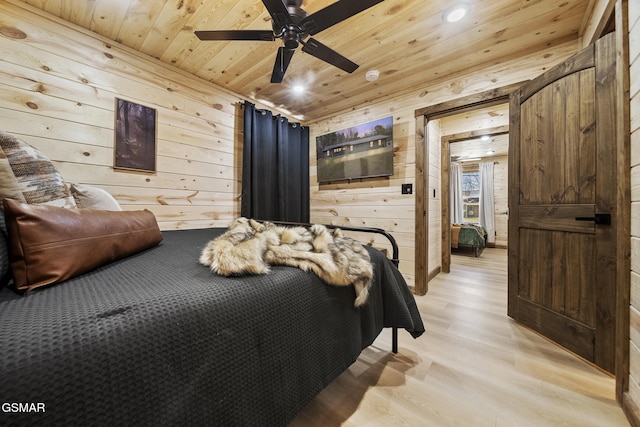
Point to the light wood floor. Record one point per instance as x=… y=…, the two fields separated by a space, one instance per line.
x=473 y=367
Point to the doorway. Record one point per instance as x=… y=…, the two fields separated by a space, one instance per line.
x=428 y=120
x=469 y=140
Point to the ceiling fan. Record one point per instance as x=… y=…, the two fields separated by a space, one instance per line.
x=293 y=25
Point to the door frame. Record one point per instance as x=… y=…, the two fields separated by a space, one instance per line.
x=623 y=206
x=423 y=116
x=445 y=197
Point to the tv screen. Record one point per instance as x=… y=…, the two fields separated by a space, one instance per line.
x=362 y=151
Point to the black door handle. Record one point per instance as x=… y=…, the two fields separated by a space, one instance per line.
x=600 y=219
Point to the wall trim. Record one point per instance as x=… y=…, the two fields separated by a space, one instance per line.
x=623 y=208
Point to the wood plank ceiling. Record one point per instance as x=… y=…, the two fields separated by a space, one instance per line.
x=406 y=40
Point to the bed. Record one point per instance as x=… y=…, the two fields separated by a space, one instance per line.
x=469 y=235
x=155 y=338
x=106 y=320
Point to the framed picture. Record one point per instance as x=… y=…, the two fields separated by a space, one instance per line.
x=363 y=151
x=135 y=146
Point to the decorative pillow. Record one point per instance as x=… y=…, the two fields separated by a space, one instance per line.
x=29 y=176
x=48 y=244
x=90 y=197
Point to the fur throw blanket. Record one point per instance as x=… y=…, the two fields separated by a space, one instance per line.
x=250 y=247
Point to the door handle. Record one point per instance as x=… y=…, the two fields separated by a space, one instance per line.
x=600 y=219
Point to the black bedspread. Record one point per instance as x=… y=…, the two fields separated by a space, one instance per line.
x=156 y=339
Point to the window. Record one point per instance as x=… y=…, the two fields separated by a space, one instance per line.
x=471 y=195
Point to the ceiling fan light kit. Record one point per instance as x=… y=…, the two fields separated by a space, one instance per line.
x=293 y=25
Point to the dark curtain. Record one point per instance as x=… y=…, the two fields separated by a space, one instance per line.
x=275 y=167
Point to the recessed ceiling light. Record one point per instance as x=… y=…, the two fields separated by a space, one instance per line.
x=456 y=12
x=298 y=88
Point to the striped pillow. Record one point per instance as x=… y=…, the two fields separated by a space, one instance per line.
x=28 y=176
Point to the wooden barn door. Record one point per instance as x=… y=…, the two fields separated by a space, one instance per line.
x=562 y=167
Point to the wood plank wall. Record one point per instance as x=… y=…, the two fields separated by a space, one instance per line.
x=378 y=202
x=58 y=84
x=371 y=202
x=634 y=347
x=434 y=199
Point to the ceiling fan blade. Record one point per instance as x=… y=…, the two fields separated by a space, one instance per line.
x=259 y=35
x=334 y=13
x=282 y=62
x=320 y=51
x=278 y=12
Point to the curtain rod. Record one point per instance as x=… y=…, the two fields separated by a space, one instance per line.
x=275 y=116
x=261 y=110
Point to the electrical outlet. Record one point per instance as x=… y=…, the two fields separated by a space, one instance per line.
x=407 y=188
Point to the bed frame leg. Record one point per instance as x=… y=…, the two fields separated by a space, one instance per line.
x=394 y=340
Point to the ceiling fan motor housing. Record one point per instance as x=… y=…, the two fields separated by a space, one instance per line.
x=292 y=34
x=290 y=38
x=296 y=13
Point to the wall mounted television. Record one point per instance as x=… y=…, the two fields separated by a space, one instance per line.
x=363 y=151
